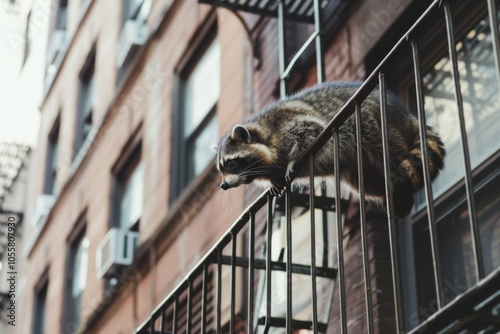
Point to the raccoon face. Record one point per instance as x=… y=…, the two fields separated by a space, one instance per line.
x=241 y=158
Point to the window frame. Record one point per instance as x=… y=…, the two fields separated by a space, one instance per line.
x=400 y=80
x=73 y=241
x=50 y=181
x=86 y=92
x=40 y=301
x=130 y=158
x=203 y=39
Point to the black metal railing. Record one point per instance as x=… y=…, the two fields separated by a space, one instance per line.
x=215 y=260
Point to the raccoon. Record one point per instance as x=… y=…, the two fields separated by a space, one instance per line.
x=266 y=147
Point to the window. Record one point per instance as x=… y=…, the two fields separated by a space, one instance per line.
x=198 y=128
x=481 y=101
x=85 y=101
x=40 y=306
x=77 y=280
x=129 y=194
x=131 y=9
x=62 y=15
x=50 y=187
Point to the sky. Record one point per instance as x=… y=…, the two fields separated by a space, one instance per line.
x=19 y=115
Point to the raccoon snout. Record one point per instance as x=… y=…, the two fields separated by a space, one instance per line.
x=224 y=185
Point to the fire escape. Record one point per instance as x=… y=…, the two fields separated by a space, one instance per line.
x=195 y=304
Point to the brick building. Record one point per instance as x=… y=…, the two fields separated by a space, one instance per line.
x=135 y=94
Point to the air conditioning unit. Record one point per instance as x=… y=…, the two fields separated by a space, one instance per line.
x=134 y=34
x=115 y=250
x=43 y=205
x=55 y=46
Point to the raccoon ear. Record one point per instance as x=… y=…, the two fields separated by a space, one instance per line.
x=240 y=133
x=215 y=148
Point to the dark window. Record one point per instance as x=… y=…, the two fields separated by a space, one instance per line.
x=129 y=194
x=481 y=101
x=198 y=125
x=85 y=101
x=131 y=9
x=51 y=162
x=77 y=281
x=62 y=15
x=27 y=38
x=40 y=307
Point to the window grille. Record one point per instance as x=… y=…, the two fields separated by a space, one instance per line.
x=483 y=298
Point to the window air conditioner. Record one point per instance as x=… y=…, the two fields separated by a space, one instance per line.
x=43 y=205
x=134 y=34
x=55 y=45
x=116 y=249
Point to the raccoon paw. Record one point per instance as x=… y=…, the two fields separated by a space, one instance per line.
x=276 y=189
x=290 y=172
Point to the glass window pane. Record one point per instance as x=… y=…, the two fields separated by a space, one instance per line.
x=202 y=89
x=132 y=198
x=479 y=86
x=80 y=265
x=199 y=152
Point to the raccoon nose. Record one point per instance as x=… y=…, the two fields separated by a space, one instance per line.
x=224 y=185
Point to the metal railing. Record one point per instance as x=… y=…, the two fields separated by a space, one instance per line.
x=214 y=260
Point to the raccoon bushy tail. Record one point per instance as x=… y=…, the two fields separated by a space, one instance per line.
x=410 y=176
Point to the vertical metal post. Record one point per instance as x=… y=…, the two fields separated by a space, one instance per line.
x=251 y=263
x=269 y=243
x=189 y=305
x=282 y=46
x=288 y=216
x=233 y=283
x=312 y=209
x=362 y=219
x=174 y=315
x=495 y=35
x=163 y=319
x=152 y=323
x=390 y=206
x=204 y=299
x=219 y=291
x=427 y=180
x=320 y=57
x=340 y=234
x=469 y=186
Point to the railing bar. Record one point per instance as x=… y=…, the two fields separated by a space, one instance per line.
x=340 y=243
x=189 y=305
x=362 y=217
x=281 y=46
x=390 y=206
x=288 y=216
x=152 y=323
x=251 y=265
x=326 y=236
x=269 y=241
x=219 y=291
x=204 y=300
x=492 y=13
x=297 y=55
x=426 y=173
x=320 y=56
x=233 y=283
x=469 y=186
x=314 y=292
x=174 y=315
x=163 y=319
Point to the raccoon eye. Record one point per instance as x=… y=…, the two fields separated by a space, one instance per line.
x=231 y=165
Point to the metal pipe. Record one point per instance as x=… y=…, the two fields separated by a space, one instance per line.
x=269 y=242
x=189 y=305
x=492 y=13
x=469 y=186
x=427 y=180
x=204 y=300
x=233 y=284
x=390 y=206
x=312 y=209
x=320 y=57
x=251 y=263
x=282 y=45
x=362 y=219
x=219 y=291
x=340 y=245
x=288 y=216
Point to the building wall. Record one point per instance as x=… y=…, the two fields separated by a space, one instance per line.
x=143 y=102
